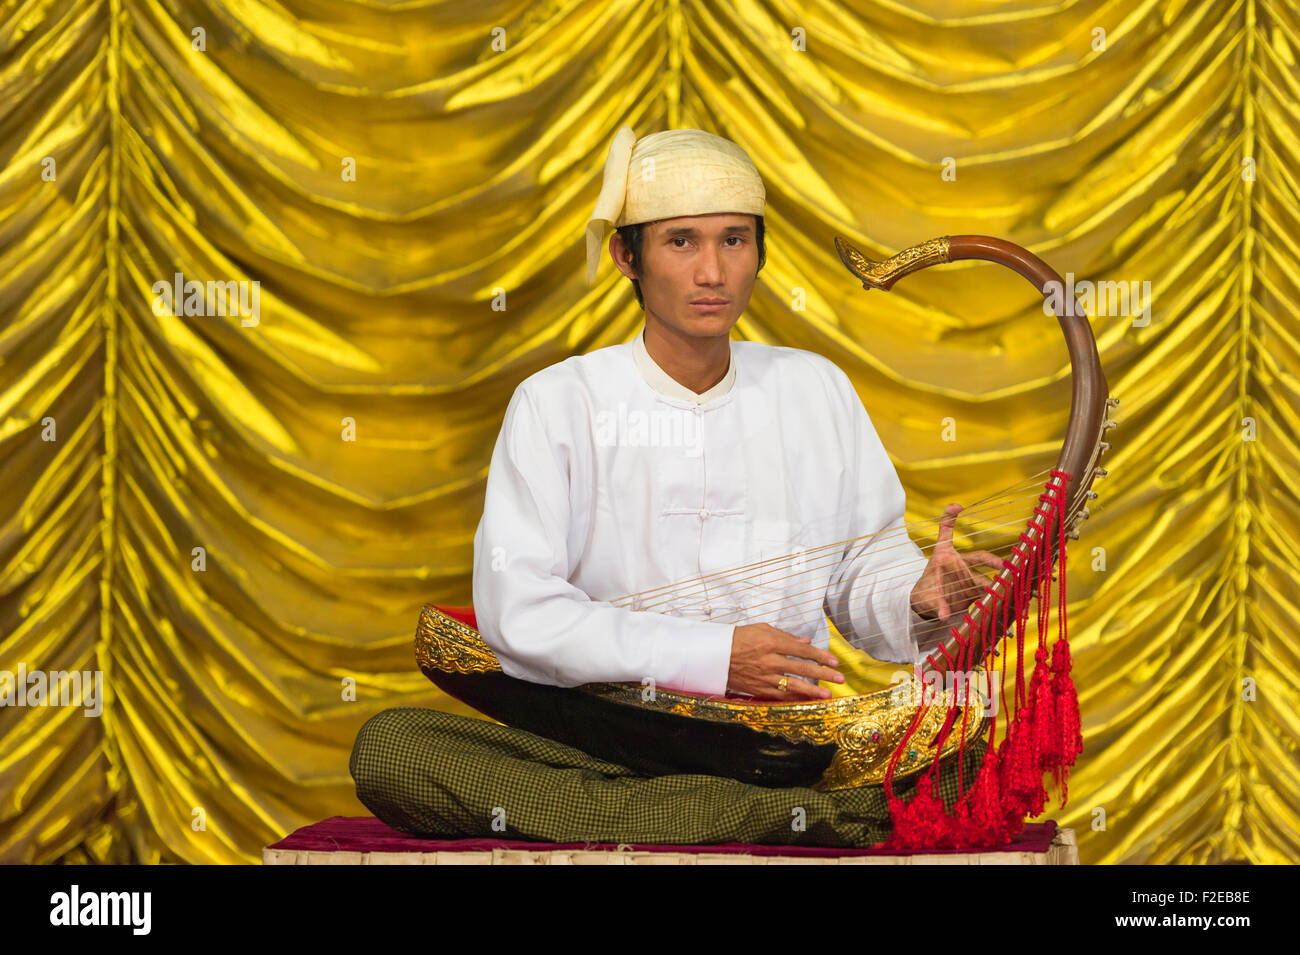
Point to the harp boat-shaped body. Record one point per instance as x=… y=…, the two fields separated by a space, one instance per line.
x=845 y=741
x=823 y=744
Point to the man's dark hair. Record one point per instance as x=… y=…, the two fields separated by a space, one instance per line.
x=632 y=236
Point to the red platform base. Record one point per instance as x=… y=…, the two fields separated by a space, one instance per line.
x=364 y=840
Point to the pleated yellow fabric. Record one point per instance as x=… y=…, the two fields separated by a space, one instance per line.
x=236 y=517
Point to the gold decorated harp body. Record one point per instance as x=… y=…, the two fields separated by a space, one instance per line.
x=877 y=737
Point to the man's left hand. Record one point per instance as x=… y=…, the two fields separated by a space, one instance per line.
x=949 y=585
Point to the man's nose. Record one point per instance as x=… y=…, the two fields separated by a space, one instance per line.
x=708 y=267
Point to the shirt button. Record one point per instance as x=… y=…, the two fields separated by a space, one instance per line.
x=703 y=514
x=699 y=410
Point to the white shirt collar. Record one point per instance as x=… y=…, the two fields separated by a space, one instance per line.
x=664 y=384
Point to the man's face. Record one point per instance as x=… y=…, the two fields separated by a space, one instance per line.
x=697 y=272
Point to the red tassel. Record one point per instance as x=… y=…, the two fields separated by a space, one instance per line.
x=1043 y=734
x=982 y=812
x=920 y=824
x=1068 y=724
x=1047 y=743
x=1020 y=780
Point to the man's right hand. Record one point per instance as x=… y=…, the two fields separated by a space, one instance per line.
x=760 y=656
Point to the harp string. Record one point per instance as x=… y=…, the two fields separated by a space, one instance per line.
x=892 y=538
x=672 y=589
x=798 y=616
x=908 y=574
x=787 y=612
x=794 y=617
x=750 y=581
x=900 y=569
x=788 y=615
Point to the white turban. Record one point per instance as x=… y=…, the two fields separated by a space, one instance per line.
x=677 y=172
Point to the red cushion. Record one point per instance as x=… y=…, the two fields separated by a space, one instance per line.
x=464 y=614
x=368 y=834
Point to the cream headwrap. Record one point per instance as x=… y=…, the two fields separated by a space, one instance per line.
x=677 y=172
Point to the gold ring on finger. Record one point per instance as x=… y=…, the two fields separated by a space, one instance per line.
x=784 y=684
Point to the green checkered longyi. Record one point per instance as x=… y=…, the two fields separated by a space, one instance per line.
x=437 y=774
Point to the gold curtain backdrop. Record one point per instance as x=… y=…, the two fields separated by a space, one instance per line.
x=237 y=519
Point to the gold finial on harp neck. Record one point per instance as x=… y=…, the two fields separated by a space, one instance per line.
x=884 y=274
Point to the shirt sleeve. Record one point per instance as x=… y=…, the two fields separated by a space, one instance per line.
x=544 y=629
x=868 y=597
x=926 y=634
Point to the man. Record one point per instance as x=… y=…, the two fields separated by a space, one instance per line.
x=662 y=468
x=778 y=458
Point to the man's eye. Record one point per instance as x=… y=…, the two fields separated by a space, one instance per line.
x=678 y=239
x=738 y=239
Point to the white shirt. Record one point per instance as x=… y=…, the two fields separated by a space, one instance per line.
x=608 y=479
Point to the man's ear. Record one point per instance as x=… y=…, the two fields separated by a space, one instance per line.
x=621 y=255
